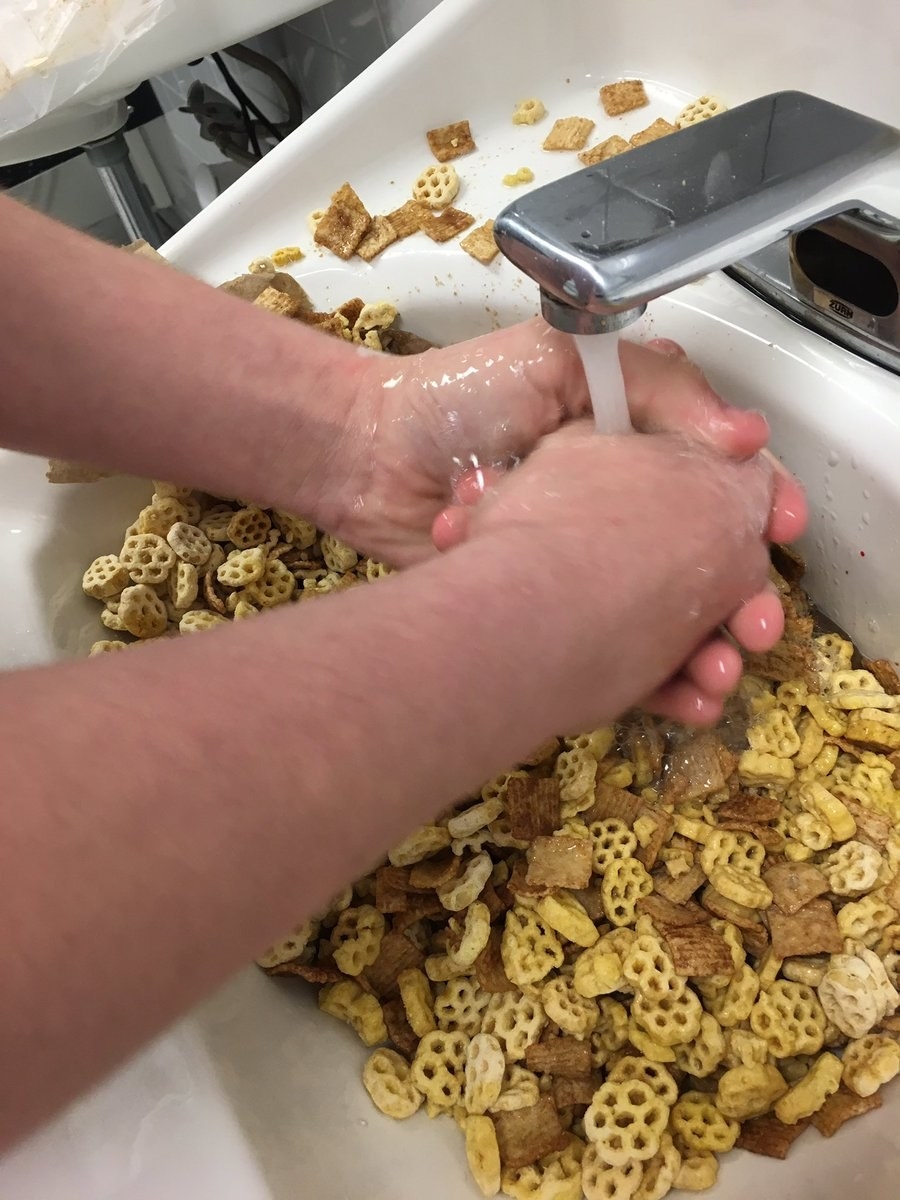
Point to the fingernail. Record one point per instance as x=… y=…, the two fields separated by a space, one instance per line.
x=667 y=347
x=774 y=463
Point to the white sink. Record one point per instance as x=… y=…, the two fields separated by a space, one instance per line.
x=257 y=1087
x=191 y=29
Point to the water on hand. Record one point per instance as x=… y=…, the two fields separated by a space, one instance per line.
x=600 y=358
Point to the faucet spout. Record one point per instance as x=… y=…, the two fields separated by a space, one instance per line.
x=603 y=242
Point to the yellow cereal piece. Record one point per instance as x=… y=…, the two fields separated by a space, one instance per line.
x=649 y=969
x=647 y=1046
x=869 y=1063
x=520 y=1090
x=735 y=1003
x=807 y=1097
x=701 y=109
x=576 y=770
x=695 y=830
x=817 y=799
x=475 y=935
x=863 y=920
x=567 y=917
x=624 y=883
x=633 y=1067
x=626 y=1124
x=484 y=1074
x=741 y=886
x=106 y=576
x=422 y=844
x=530 y=948
x=790 y=1019
x=460 y=1006
x=774 y=733
x=700 y=1126
x=387 y=1079
x=522 y=175
x=516 y=1020
x=812 y=739
x=349 y=1003
x=698 y=1172
x=483 y=1154
x=357 y=938
x=598 y=972
x=418 y=1001
x=705 y=1052
x=827 y=717
x=612 y=840
x=575 y=1014
x=286 y=256
x=529 y=112
x=749 y=1091
x=438 y=1068
x=759 y=769
x=671 y=1019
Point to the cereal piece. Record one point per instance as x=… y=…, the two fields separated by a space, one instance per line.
x=484 y=1074
x=190 y=544
x=147 y=558
x=460 y=1007
x=697 y=950
x=749 y=1091
x=242 y=567
x=291 y=947
x=812 y=930
x=705 y=1053
x=570 y=1093
x=386 y=1077
x=461 y=892
x=106 y=647
x=626 y=1123
x=438 y=1069
x=562 y=1056
x=769 y=1136
x=576 y=770
x=840 y=1108
x=735 y=1003
x=612 y=840
x=741 y=887
x=671 y=1019
x=516 y=1021
x=624 y=883
x=700 y=1126
x=725 y=848
x=381 y=234
x=697 y=1173
x=527 y=1134
x=567 y=917
x=598 y=972
x=533 y=806
x=608 y=148
x=396 y=954
x=356 y=938
x=344 y=224
x=160 y=516
x=530 y=947
x=794 y=884
x=405 y=220
x=700 y=109
x=659 y=129
x=856 y=993
x=875 y=729
x=679 y=890
x=869 y=1063
x=477 y=817
x=603 y=1182
x=349 y=1003
x=529 y=112
x=480 y=243
x=574 y=1014
x=810 y=1093
x=611 y=801
x=559 y=862
x=418 y=1002
x=790 y=1018
x=451 y=141
x=649 y=969
x=483 y=1154
x=569 y=133
x=436 y=186
x=474 y=937
x=522 y=175
x=623 y=97
x=667 y=916
x=276 y=586
x=660 y=1172
x=489 y=969
x=106 y=576
x=248 y=527
x=520 y=1090
x=428 y=840
x=653 y=830
x=141 y=612
x=450 y=224
x=184 y=586
x=865 y=919
x=657 y=1078
x=756 y=769
x=200 y=622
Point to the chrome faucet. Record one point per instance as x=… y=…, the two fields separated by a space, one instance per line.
x=604 y=241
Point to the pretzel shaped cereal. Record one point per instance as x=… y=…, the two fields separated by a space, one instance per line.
x=573 y=1013
x=699 y=1126
x=809 y=1094
x=612 y=840
x=864 y=920
x=698 y=1172
x=107 y=576
x=734 y=1005
x=349 y=1003
x=516 y=1021
x=529 y=947
x=576 y=770
x=705 y=1052
x=660 y=1172
x=463 y=891
x=655 y=1075
x=200 y=621
x=625 y=1123
x=520 y=1090
x=649 y=969
x=852 y=869
x=724 y=848
x=484 y=1075
x=356 y=938
x=749 y=1091
x=147 y=558
x=142 y=612
x=790 y=1019
x=242 y=567
x=567 y=917
x=672 y=1019
x=388 y=1080
x=869 y=1063
x=483 y=1154
x=624 y=883
x=743 y=887
x=460 y=1007
x=774 y=733
x=600 y=1181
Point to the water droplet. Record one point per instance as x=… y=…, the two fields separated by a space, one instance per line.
x=829 y=495
x=866 y=518
x=833 y=458
x=364 y=1124
x=873 y=625
x=853 y=462
x=835 y=541
x=867 y=495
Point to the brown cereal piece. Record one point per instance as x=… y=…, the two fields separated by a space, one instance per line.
x=569 y=133
x=489 y=969
x=434 y=872
x=842 y=1107
x=680 y=890
x=756 y=939
x=886 y=674
x=794 y=884
x=697 y=951
x=392 y=889
x=399 y=1029
x=720 y=906
x=608 y=148
x=449 y=224
x=527 y=1134
x=248 y=527
x=610 y=801
x=497 y=905
x=316 y=973
x=769 y=1136
x=420 y=908
x=272 y=301
x=623 y=97
x=105 y=577
x=572 y=1093
x=451 y=141
x=560 y=862
x=793 y=658
x=665 y=915
x=533 y=807
x=345 y=223
x=770 y=838
x=756 y=810
x=698 y=767
x=480 y=243
x=397 y=953
x=812 y=929
x=405 y=220
x=381 y=235
x=647 y=855
x=591 y=900
x=211 y=595
x=147 y=558
x=61 y=471
x=106 y=647
x=142 y=612
x=402 y=342
x=659 y=129
x=564 y=1056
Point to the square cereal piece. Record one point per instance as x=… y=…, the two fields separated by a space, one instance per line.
x=392 y=889
x=603 y=150
x=729 y=910
x=405 y=220
x=564 y=1056
x=560 y=862
x=569 y=133
x=794 y=884
x=811 y=930
x=380 y=236
x=397 y=954
x=758 y=810
x=698 y=951
x=480 y=243
x=449 y=224
x=769 y=1136
x=532 y=805
x=666 y=916
x=886 y=674
x=316 y=973
x=527 y=1134
x=567 y=1093
x=680 y=890
x=434 y=872
x=399 y=1029
x=840 y=1108
x=659 y=129
x=345 y=223
x=610 y=801
x=648 y=854
x=623 y=97
x=451 y=141
x=489 y=969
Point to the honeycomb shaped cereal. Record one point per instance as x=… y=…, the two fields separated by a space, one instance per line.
x=388 y=1080
x=147 y=558
x=377 y=570
x=809 y=1094
x=189 y=543
x=142 y=612
x=649 y=969
x=362 y=1012
x=852 y=869
x=833 y=652
x=874 y=778
x=483 y=1154
x=598 y=972
x=756 y=768
x=647 y=1046
x=624 y=883
x=790 y=1019
x=520 y=1090
x=485 y=1073
x=811 y=831
x=184 y=586
x=864 y=920
x=660 y=1172
x=816 y=798
x=418 y=1001
x=869 y=1063
x=611 y=1033
x=438 y=1069
x=298 y=531
x=106 y=647
x=460 y=1007
x=465 y=889
x=567 y=917
x=812 y=739
x=338 y=556
x=248 y=527
x=749 y=1091
x=700 y=109
x=612 y=840
x=422 y=844
x=475 y=934
x=600 y=1181
x=292 y=946
x=496 y=788
x=858 y=689
x=625 y=1122
x=742 y=887
x=698 y=1172
x=653 y=1074
x=242 y=567
x=852 y=995
x=516 y=1021
x=556 y=1176
x=774 y=733
x=473 y=819
x=200 y=622
x=574 y=1014
x=529 y=112
x=672 y=1019
x=437 y=185
x=705 y=1052
x=162 y=490
x=106 y=576
x=161 y=515
x=699 y=1125
x=275 y=586
x=576 y=770
x=735 y=1003
x=725 y=848
x=356 y=938
x=529 y=947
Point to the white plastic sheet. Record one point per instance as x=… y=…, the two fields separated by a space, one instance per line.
x=50 y=50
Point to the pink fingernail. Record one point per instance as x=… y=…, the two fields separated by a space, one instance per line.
x=667 y=347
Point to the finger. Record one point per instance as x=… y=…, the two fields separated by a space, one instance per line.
x=450 y=528
x=666 y=393
x=474 y=482
x=682 y=701
x=759 y=623
x=715 y=668
x=790 y=510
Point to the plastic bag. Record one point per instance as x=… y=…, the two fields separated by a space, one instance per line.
x=51 y=50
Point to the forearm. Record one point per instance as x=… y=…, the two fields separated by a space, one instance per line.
x=123 y=364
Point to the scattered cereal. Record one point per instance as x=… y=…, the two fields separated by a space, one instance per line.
x=623 y=97
x=569 y=133
x=529 y=112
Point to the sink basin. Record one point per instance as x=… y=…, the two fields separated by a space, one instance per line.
x=256 y=1096
x=191 y=29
